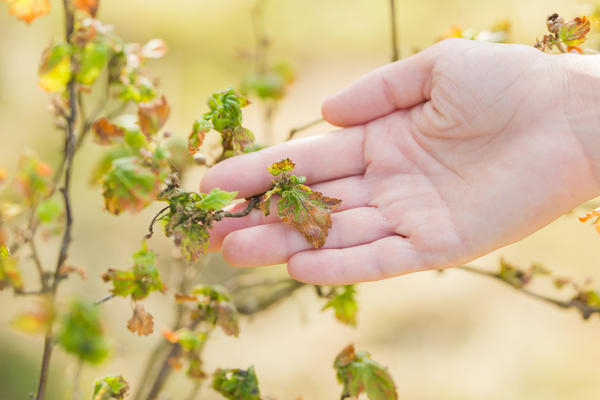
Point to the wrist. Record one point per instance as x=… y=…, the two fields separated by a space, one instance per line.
x=580 y=103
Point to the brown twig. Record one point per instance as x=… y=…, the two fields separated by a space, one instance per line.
x=304 y=127
x=585 y=309
x=66 y=240
x=154 y=219
x=252 y=203
x=394 y=32
x=104 y=299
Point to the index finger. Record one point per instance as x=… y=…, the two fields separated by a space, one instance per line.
x=319 y=158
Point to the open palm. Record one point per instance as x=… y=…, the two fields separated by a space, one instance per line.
x=447 y=155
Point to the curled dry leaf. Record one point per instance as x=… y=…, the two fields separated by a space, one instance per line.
x=573 y=32
x=28 y=10
x=153 y=115
x=66 y=270
x=106 y=131
x=141 y=322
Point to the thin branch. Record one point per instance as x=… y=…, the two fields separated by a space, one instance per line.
x=394 y=31
x=195 y=390
x=252 y=203
x=104 y=299
x=156 y=217
x=585 y=309
x=304 y=127
x=275 y=297
x=66 y=240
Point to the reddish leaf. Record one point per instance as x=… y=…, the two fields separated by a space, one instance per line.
x=88 y=6
x=153 y=115
x=66 y=270
x=106 y=131
x=28 y=10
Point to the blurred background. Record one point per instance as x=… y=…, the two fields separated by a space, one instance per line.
x=448 y=335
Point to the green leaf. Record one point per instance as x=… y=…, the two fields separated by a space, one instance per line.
x=10 y=274
x=237 y=384
x=55 y=68
x=81 y=333
x=217 y=199
x=344 y=304
x=139 y=281
x=105 y=163
x=359 y=374
x=110 y=387
x=129 y=186
x=49 y=210
x=93 y=59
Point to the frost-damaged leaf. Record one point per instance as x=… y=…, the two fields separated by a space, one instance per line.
x=279 y=167
x=308 y=211
x=359 y=374
x=153 y=115
x=10 y=274
x=593 y=215
x=55 y=68
x=141 y=322
x=36 y=321
x=81 y=333
x=106 y=131
x=191 y=237
x=129 y=186
x=196 y=137
x=110 y=387
x=237 y=140
x=573 y=32
x=93 y=58
x=190 y=216
x=215 y=307
x=344 y=304
x=237 y=384
x=88 y=6
x=28 y=10
x=139 y=281
x=33 y=178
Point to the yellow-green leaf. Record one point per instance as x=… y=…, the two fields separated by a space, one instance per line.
x=55 y=68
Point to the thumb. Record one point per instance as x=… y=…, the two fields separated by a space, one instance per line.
x=399 y=85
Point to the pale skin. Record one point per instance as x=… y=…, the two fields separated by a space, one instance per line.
x=442 y=158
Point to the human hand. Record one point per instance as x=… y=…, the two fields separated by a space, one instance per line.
x=446 y=156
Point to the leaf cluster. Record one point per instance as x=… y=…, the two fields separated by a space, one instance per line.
x=225 y=117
